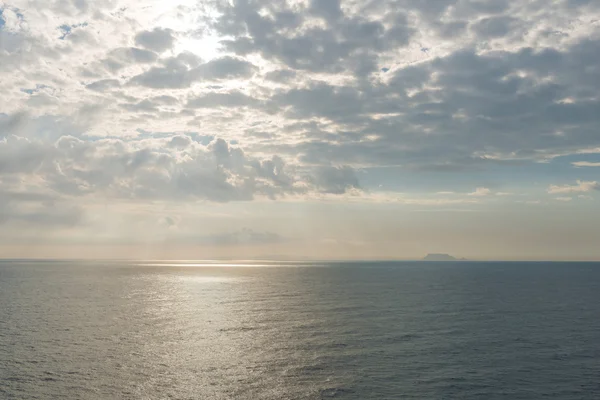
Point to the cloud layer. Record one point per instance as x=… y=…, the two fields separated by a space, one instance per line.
x=235 y=101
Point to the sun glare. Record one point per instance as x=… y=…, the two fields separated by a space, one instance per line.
x=206 y=47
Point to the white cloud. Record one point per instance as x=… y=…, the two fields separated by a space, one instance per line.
x=586 y=164
x=564 y=199
x=531 y=202
x=480 y=192
x=436 y=202
x=581 y=186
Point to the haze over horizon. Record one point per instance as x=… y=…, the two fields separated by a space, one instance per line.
x=188 y=129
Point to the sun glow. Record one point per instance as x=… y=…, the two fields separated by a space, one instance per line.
x=206 y=47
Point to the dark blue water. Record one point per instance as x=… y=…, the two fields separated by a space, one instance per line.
x=82 y=330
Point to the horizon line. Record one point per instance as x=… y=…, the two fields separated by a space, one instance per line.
x=216 y=261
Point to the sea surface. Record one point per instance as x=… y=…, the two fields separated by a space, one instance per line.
x=266 y=330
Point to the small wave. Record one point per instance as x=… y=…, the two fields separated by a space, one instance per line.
x=332 y=393
x=403 y=338
x=239 y=329
x=339 y=345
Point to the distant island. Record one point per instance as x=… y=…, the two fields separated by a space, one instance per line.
x=441 y=257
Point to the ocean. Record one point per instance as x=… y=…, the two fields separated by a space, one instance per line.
x=268 y=330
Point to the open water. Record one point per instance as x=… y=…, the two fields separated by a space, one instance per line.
x=362 y=330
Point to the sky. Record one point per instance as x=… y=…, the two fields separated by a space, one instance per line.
x=324 y=129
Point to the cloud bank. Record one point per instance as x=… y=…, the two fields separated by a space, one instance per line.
x=293 y=100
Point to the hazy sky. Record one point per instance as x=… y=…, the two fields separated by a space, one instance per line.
x=324 y=129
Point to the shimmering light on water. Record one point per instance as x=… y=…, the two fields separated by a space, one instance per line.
x=203 y=265
x=117 y=330
x=236 y=264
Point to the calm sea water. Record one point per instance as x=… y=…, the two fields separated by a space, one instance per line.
x=82 y=330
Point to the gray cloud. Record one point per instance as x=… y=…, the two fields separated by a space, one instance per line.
x=449 y=85
x=224 y=68
x=330 y=10
x=115 y=128
x=227 y=99
x=180 y=72
x=495 y=27
x=103 y=85
x=37 y=209
x=281 y=75
x=123 y=56
x=347 y=43
x=476 y=109
x=173 y=167
x=243 y=237
x=10 y=124
x=158 y=39
x=180 y=141
x=335 y=180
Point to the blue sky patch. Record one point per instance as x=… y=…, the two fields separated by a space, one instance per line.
x=66 y=30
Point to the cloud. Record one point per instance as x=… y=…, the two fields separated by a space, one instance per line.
x=224 y=68
x=335 y=180
x=436 y=202
x=180 y=141
x=158 y=39
x=582 y=186
x=331 y=11
x=35 y=209
x=122 y=57
x=281 y=75
x=564 y=199
x=492 y=107
x=531 y=202
x=312 y=100
x=586 y=164
x=230 y=100
x=286 y=35
x=495 y=27
x=181 y=71
x=243 y=237
x=103 y=85
x=480 y=192
x=175 y=167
